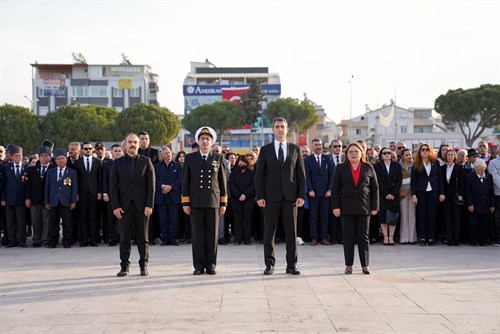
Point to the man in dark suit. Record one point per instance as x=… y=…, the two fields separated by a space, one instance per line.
x=89 y=192
x=61 y=189
x=102 y=232
x=319 y=178
x=334 y=223
x=74 y=150
x=152 y=153
x=168 y=196
x=116 y=152
x=13 y=197
x=204 y=198
x=35 y=191
x=132 y=198
x=280 y=186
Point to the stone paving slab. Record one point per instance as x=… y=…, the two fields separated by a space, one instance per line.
x=412 y=289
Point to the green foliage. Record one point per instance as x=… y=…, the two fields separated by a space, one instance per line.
x=467 y=106
x=300 y=115
x=19 y=126
x=161 y=124
x=79 y=123
x=221 y=116
x=251 y=102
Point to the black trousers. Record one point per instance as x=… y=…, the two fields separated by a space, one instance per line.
x=426 y=214
x=356 y=229
x=112 y=224
x=335 y=228
x=318 y=217
x=133 y=219
x=15 y=217
x=87 y=205
x=204 y=233
x=288 y=211
x=497 y=220
x=242 y=219
x=58 y=213
x=452 y=218
x=478 y=228
x=102 y=232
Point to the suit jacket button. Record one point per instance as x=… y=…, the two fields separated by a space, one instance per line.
x=201 y=187
x=209 y=171
x=208 y=187
x=209 y=176
x=201 y=171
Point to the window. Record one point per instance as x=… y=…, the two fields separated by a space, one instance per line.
x=98 y=91
x=95 y=72
x=119 y=109
x=404 y=129
x=79 y=91
x=419 y=129
x=135 y=92
x=358 y=131
x=43 y=111
x=41 y=92
x=117 y=92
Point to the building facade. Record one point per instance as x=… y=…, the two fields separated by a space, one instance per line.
x=116 y=86
x=393 y=123
x=206 y=84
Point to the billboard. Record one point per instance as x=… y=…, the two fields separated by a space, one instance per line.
x=54 y=87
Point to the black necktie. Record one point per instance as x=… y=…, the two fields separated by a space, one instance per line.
x=204 y=158
x=337 y=159
x=281 y=155
x=60 y=174
x=44 y=168
x=18 y=172
x=88 y=165
x=319 y=163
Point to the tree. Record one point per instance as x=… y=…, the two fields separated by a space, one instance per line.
x=160 y=123
x=463 y=107
x=300 y=115
x=251 y=102
x=221 y=116
x=75 y=122
x=19 y=127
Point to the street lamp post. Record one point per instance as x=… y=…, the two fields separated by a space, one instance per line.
x=350 y=108
x=32 y=103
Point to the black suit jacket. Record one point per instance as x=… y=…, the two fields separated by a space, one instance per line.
x=480 y=194
x=35 y=185
x=273 y=182
x=456 y=185
x=319 y=179
x=138 y=188
x=389 y=183
x=351 y=199
x=106 y=173
x=420 y=179
x=150 y=152
x=88 y=183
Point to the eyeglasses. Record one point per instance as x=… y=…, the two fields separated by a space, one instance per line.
x=400 y=148
x=336 y=146
x=87 y=148
x=424 y=149
x=386 y=153
x=99 y=148
x=205 y=139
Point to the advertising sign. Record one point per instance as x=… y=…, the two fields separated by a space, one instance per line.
x=54 y=87
x=125 y=83
x=204 y=90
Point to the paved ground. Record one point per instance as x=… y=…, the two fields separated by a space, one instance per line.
x=412 y=289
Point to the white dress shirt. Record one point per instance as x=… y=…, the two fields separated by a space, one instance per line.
x=277 y=147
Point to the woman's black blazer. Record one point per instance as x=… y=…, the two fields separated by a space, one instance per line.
x=351 y=199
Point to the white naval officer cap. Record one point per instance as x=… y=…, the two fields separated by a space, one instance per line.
x=206 y=130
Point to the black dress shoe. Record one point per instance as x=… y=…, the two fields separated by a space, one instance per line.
x=67 y=245
x=348 y=270
x=197 y=272
x=292 y=270
x=144 y=271
x=51 y=245
x=122 y=273
x=23 y=245
x=111 y=244
x=36 y=245
x=94 y=244
x=211 y=272
x=84 y=244
x=269 y=270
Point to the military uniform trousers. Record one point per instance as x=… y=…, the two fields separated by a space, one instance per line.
x=204 y=233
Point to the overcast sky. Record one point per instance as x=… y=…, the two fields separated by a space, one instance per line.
x=412 y=51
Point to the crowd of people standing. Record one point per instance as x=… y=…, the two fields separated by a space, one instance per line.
x=357 y=195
